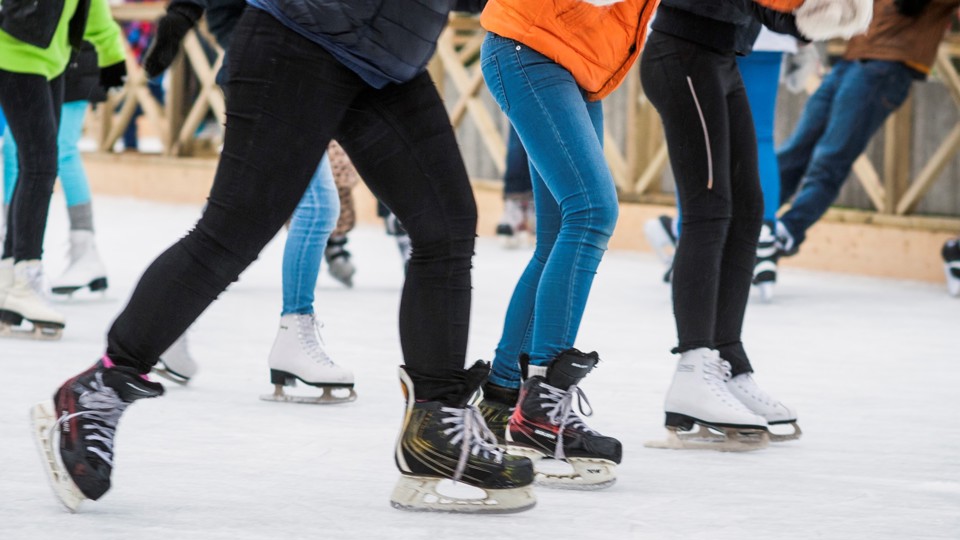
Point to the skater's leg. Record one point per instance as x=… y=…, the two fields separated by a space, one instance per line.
x=761 y=77
x=287 y=95
x=73 y=177
x=402 y=144
x=310 y=226
x=517 y=178
x=10 y=166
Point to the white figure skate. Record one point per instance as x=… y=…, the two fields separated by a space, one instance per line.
x=699 y=397
x=22 y=298
x=86 y=270
x=744 y=388
x=517 y=225
x=298 y=354
x=662 y=237
x=176 y=364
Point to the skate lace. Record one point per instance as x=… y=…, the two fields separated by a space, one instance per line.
x=468 y=428
x=560 y=412
x=36 y=280
x=104 y=408
x=749 y=386
x=309 y=333
x=717 y=372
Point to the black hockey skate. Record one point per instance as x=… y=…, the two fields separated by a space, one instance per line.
x=765 y=270
x=440 y=442
x=338 y=260
x=951 y=265
x=544 y=425
x=75 y=432
x=496 y=407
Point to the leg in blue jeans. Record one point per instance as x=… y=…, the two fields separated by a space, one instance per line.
x=761 y=77
x=311 y=225
x=574 y=195
x=868 y=93
x=516 y=179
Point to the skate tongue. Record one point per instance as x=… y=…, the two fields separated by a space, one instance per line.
x=570 y=367
x=129 y=384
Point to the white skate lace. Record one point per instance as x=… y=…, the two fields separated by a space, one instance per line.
x=750 y=387
x=104 y=408
x=559 y=406
x=37 y=280
x=309 y=333
x=468 y=428
x=717 y=372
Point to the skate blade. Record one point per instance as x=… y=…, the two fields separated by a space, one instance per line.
x=45 y=435
x=39 y=332
x=426 y=494
x=782 y=437
x=713 y=438
x=578 y=473
x=327 y=397
x=171 y=376
x=766 y=291
x=953 y=282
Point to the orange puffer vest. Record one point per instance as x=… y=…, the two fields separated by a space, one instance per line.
x=598 y=45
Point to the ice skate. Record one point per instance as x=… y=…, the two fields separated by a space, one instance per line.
x=777 y=415
x=449 y=460
x=338 y=260
x=176 y=364
x=699 y=397
x=497 y=407
x=22 y=300
x=518 y=222
x=298 y=354
x=395 y=229
x=662 y=236
x=951 y=265
x=86 y=270
x=786 y=245
x=567 y=453
x=75 y=432
x=765 y=271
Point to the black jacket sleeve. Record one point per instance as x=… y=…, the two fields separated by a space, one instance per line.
x=470 y=6
x=202 y=4
x=779 y=22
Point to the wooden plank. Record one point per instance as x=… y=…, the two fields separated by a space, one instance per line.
x=898 y=134
x=652 y=171
x=931 y=171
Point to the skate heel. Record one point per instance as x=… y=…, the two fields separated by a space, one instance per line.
x=11 y=318
x=99 y=284
x=282 y=378
x=679 y=421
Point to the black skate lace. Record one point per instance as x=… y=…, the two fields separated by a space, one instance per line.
x=309 y=331
x=469 y=429
x=104 y=408
x=560 y=412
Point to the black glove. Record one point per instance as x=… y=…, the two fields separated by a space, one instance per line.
x=113 y=76
x=171 y=28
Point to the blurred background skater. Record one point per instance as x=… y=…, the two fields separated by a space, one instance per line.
x=339 y=262
x=518 y=224
x=395 y=229
x=951 y=265
x=36 y=49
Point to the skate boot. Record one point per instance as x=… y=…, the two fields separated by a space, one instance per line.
x=298 y=354
x=25 y=300
x=338 y=260
x=176 y=364
x=516 y=226
x=744 y=388
x=951 y=265
x=497 y=407
x=442 y=442
x=786 y=245
x=395 y=229
x=567 y=453
x=699 y=396
x=765 y=271
x=85 y=269
x=662 y=236
x=75 y=432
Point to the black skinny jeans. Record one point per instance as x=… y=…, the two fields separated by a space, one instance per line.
x=287 y=98
x=31 y=104
x=713 y=151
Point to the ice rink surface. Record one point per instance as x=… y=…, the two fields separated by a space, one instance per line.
x=873 y=366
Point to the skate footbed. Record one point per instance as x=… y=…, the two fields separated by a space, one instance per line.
x=581 y=473
x=43 y=421
x=426 y=494
x=326 y=397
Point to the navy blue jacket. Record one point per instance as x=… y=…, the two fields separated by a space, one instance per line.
x=725 y=25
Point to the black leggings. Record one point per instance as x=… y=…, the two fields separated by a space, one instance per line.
x=31 y=104
x=713 y=151
x=288 y=97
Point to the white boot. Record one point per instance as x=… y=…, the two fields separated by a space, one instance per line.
x=298 y=354
x=745 y=389
x=699 y=396
x=6 y=281
x=176 y=364
x=26 y=299
x=85 y=269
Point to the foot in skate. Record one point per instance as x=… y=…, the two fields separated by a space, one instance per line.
x=24 y=310
x=298 y=354
x=518 y=222
x=75 y=432
x=497 y=407
x=338 y=260
x=85 y=270
x=396 y=229
x=662 y=236
x=449 y=460
x=699 y=397
x=951 y=265
x=782 y=420
x=765 y=270
x=544 y=427
x=176 y=364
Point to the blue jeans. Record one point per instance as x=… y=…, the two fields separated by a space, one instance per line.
x=516 y=179
x=837 y=123
x=311 y=225
x=73 y=178
x=574 y=194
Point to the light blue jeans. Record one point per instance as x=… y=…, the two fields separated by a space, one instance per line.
x=574 y=194
x=69 y=165
x=310 y=227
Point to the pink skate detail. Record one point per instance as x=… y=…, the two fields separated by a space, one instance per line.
x=107 y=362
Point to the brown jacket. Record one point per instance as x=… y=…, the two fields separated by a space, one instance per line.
x=911 y=40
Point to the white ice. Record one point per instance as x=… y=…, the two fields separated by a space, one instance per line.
x=873 y=366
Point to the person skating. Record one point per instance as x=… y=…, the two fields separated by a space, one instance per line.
x=689 y=72
x=282 y=110
x=951 y=265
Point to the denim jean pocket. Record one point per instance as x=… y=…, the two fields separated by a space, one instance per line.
x=490 y=67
